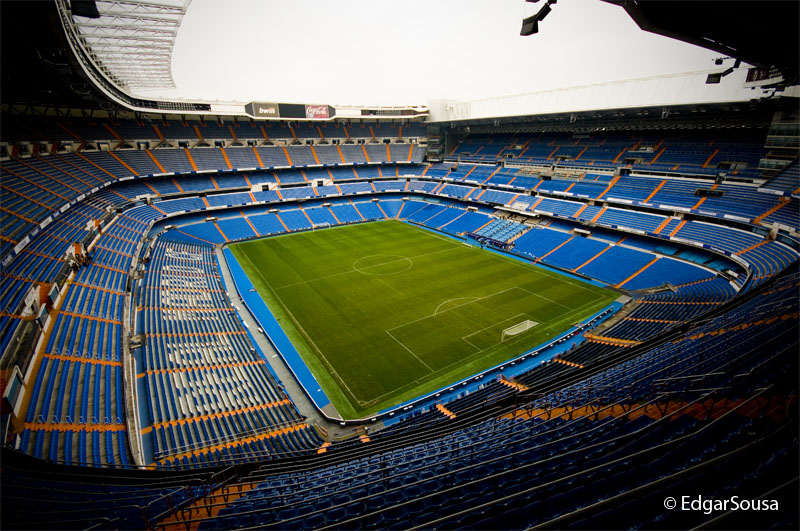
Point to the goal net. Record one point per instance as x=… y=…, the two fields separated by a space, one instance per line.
x=517 y=329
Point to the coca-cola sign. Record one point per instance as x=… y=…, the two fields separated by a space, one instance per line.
x=317 y=112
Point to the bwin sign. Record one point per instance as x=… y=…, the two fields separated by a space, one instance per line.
x=262 y=110
x=267 y=110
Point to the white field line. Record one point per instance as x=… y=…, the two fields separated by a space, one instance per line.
x=545 y=298
x=409 y=351
x=443 y=369
x=466 y=359
x=471 y=299
x=454 y=307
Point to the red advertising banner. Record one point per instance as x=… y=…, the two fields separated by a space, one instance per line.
x=317 y=112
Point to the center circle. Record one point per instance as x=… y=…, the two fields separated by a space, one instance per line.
x=382 y=264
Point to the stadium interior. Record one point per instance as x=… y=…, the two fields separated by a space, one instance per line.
x=146 y=384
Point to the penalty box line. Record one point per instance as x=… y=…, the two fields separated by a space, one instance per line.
x=478 y=351
x=389 y=331
x=455 y=307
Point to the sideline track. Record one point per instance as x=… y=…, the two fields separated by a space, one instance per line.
x=321 y=410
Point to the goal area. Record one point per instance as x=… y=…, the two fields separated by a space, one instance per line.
x=517 y=329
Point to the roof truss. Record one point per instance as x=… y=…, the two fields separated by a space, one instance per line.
x=131 y=43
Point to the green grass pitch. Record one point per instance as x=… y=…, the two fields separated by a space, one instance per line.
x=384 y=312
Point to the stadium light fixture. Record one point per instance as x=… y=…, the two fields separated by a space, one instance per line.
x=715 y=78
x=544 y=11
x=530 y=25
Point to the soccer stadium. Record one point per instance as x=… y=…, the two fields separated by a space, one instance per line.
x=567 y=307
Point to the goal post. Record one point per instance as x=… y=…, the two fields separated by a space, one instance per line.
x=517 y=329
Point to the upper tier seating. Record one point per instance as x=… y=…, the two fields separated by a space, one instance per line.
x=787 y=180
x=700 y=155
x=77 y=408
x=25 y=128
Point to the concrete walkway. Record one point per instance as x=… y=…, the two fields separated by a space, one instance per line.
x=290 y=384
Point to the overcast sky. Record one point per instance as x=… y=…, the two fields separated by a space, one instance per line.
x=380 y=52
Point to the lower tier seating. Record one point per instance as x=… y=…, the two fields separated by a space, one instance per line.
x=209 y=392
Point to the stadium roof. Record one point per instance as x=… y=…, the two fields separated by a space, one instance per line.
x=762 y=33
x=657 y=91
x=46 y=66
x=129 y=42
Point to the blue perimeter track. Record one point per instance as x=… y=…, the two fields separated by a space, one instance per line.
x=280 y=341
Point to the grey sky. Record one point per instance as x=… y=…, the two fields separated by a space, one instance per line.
x=380 y=52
